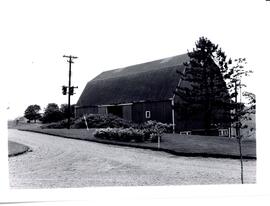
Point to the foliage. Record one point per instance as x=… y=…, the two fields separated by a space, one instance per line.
x=210 y=85
x=58 y=125
x=251 y=101
x=152 y=124
x=203 y=89
x=102 y=121
x=129 y=134
x=116 y=128
x=249 y=111
x=52 y=113
x=32 y=112
x=120 y=134
x=64 y=110
x=241 y=112
x=154 y=130
x=234 y=84
x=148 y=131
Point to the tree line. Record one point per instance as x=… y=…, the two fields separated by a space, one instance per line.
x=52 y=113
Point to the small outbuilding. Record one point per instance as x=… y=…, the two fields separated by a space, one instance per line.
x=138 y=93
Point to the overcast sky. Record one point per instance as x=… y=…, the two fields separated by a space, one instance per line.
x=111 y=34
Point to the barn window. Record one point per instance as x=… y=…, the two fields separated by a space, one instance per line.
x=147 y=114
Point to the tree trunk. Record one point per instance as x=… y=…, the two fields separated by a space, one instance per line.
x=241 y=159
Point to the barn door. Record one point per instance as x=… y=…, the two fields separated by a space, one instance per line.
x=115 y=110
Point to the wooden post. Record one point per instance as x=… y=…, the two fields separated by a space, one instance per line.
x=85 y=122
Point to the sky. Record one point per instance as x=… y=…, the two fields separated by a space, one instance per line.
x=106 y=35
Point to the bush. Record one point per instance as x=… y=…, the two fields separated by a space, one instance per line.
x=152 y=134
x=130 y=134
x=58 y=125
x=120 y=134
x=102 y=121
x=116 y=128
x=165 y=128
x=154 y=130
x=94 y=121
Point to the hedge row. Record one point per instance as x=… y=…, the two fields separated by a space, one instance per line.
x=102 y=121
x=107 y=121
x=58 y=125
x=130 y=134
x=120 y=134
x=116 y=128
x=93 y=121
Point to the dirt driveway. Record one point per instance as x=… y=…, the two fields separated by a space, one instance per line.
x=59 y=162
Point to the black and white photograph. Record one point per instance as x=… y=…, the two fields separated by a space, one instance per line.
x=133 y=95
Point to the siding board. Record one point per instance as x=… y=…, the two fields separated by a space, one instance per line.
x=161 y=111
x=127 y=112
x=102 y=110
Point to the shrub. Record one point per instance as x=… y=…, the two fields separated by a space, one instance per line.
x=57 y=125
x=154 y=130
x=116 y=128
x=102 y=121
x=152 y=134
x=165 y=128
x=130 y=134
x=120 y=134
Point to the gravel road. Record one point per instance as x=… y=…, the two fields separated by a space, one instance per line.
x=58 y=162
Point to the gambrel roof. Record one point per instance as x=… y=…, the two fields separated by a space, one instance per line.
x=151 y=81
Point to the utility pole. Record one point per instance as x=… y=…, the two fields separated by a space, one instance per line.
x=69 y=87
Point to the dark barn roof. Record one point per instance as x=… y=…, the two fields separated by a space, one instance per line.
x=151 y=81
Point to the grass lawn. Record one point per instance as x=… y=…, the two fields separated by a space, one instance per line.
x=22 y=125
x=15 y=148
x=208 y=145
x=186 y=145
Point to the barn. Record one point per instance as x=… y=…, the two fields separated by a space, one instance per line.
x=138 y=93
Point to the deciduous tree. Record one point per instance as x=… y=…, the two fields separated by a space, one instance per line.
x=64 y=110
x=32 y=112
x=240 y=112
x=52 y=113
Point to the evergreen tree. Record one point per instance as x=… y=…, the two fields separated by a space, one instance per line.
x=203 y=88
